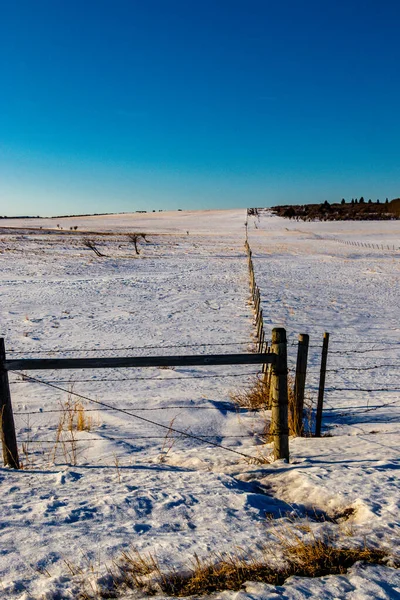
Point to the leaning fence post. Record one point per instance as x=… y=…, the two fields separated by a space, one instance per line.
x=279 y=417
x=300 y=383
x=8 y=437
x=321 y=389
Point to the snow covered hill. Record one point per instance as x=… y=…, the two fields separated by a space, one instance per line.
x=85 y=497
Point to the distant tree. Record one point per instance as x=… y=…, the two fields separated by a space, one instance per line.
x=352 y=200
x=289 y=212
x=370 y=201
x=362 y=200
x=387 y=201
x=378 y=201
x=343 y=201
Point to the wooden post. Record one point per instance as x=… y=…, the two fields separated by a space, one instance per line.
x=261 y=343
x=279 y=421
x=257 y=301
x=8 y=437
x=267 y=374
x=300 y=383
x=318 y=422
x=259 y=324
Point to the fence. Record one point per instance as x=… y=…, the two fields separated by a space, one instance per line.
x=277 y=358
x=370 y=245
x=296 y=407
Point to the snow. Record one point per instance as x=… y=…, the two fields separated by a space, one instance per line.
x=171 y=495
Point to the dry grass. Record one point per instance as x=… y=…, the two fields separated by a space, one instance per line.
x=253 y=397
x=73 y=418
x=320 y=556
x=310 y=557
x=256 y=396
x=168 y=443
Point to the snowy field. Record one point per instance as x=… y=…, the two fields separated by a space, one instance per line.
x=125 y=482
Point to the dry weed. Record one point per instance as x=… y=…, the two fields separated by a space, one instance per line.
x=73 y=418
x=257 y=396
x=314 y=557
x=254 y=397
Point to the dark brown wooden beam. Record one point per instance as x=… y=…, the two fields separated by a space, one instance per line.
x=37 y=364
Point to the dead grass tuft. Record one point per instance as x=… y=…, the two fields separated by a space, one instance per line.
x=298 y=556
x=253 y=397
x=256 y=396
x=319 y=556
x=73 y=418
x=311 y=558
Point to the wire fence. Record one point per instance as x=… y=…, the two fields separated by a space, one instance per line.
x=377 y=355
x=367 y=245
x=82 y=349
x=127 y=412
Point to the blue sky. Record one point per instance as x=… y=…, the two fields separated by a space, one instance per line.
x=114 y=105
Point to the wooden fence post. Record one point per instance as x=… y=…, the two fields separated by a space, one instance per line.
x=8 y=437
x=300 y=383
x=279 y=417
x=318 y=421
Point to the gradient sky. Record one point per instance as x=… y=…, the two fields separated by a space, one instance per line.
x=123 y=105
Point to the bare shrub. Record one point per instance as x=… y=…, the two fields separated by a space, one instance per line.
x=135 y=237
x=91 y=245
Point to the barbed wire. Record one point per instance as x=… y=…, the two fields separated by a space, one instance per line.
x=339 y=369
x=105 y=379
x=169 y=428
x=339 y=341
x=151 y=347
x=360 y=411
x=316 y=370
x=292 y=343
x=359 y=351
x=139 y=437
x=348 y=389
x=346 y=351
x=225 y=408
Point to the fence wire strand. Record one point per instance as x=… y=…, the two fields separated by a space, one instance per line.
x=164 y=379
x=66 y=350
x=169 y=428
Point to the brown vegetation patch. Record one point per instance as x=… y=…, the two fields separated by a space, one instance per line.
x=256 y=396
x=312 y=557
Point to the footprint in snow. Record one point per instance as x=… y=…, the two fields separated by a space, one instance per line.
x=80 y=514
x=141 y=528
x=143 y=507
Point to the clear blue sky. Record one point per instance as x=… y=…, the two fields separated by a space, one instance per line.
x=120 y=105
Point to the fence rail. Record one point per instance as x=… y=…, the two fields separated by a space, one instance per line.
x=39 y=364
